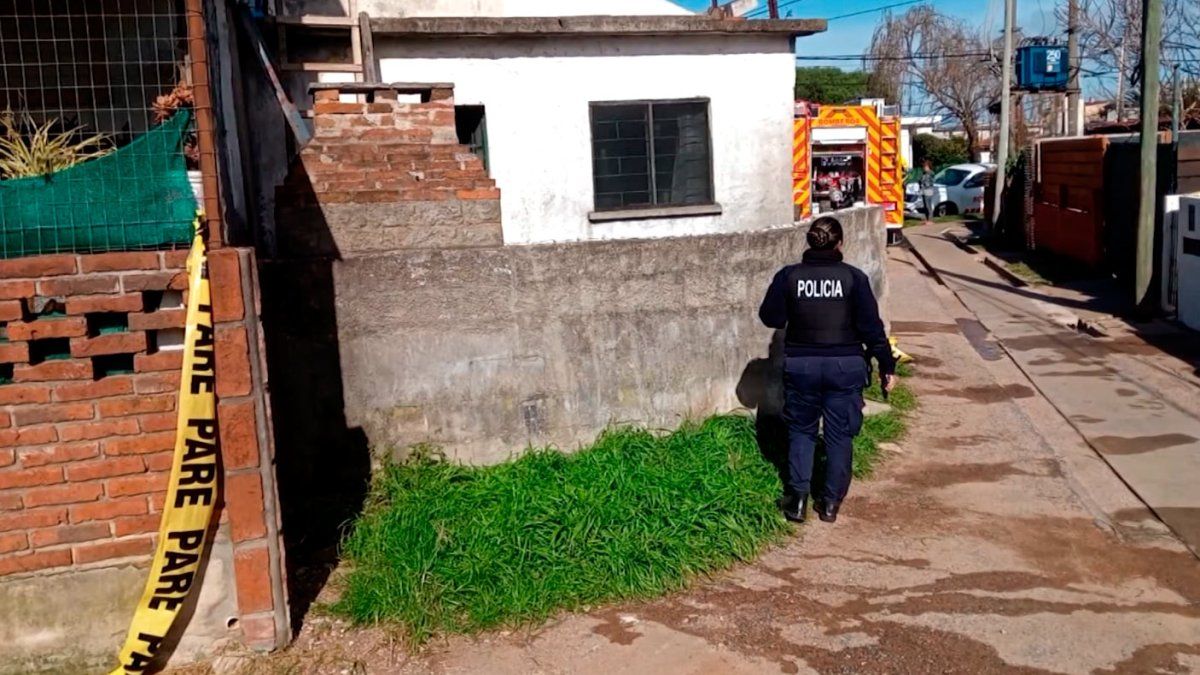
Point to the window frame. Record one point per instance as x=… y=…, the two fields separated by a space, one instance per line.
x=651 y=210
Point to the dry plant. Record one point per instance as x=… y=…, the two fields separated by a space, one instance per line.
x=27 y=149
x=166 y=105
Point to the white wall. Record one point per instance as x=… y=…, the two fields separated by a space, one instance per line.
x=403 y=8
x=537 y=92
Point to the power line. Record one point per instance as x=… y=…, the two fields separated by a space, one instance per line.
x=907 y=57
x=765 y=9
x=877 y=9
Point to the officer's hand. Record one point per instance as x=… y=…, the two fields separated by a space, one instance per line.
x=888 y=383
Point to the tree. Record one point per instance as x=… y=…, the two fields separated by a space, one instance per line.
x=946 y=61
x=830 y=85
x=1110 y=42
x=939 y=151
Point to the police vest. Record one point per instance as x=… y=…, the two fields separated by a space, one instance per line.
x=819 y=305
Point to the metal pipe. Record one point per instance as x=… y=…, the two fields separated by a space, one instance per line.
x=205 y=126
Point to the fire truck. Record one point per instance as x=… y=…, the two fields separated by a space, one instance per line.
x=847 y=155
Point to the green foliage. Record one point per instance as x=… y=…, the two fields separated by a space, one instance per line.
x=887 y=427
x=451 y=548
x=825 y=84
x=27 y=149
x=941 y=151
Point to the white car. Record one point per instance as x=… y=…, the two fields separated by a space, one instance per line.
x=956 y=189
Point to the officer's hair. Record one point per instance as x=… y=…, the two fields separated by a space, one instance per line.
x=825 y=234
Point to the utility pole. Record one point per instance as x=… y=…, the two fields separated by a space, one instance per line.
x=1176 y=111
x=1010 y=11
x=1074 y=109
x=1151 y=36
x=773 y=8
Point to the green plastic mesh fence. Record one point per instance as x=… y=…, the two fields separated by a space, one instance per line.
x=135 y=197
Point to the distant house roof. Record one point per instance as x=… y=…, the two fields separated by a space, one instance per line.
x=585 y=26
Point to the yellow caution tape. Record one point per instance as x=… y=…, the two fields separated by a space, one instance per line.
x=900 y=356
x=192 y=491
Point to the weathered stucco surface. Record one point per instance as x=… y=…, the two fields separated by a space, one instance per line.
x=486 y=351
x=41 y=615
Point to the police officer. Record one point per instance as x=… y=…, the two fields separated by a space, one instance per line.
x=829 y=316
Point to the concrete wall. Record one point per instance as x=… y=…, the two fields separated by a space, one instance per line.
x=537 y=94
x=73 y=621
x=488 y=350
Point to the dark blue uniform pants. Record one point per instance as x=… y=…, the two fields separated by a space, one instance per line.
x=828 y=387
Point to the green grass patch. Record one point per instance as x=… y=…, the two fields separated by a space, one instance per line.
x=887 y=427
x=1037 y=267
x=447 y=548
x=912 y=221
x=1025 y=272
x=459 y=549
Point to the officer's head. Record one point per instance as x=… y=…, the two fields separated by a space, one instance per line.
x=825 y=234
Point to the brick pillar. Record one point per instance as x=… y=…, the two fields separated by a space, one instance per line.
x=90 y=367
x=247 y=450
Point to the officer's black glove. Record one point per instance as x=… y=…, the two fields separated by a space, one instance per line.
x=884 y=381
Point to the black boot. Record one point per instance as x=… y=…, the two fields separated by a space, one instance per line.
x=827 y=511
x=794 y=507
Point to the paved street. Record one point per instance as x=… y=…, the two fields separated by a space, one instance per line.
x=1137 y=408
x=993 y=540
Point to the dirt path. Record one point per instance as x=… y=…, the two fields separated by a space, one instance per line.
x=991 y=542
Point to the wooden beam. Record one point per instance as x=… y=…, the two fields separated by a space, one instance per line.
x=368 y=87
x=370 y=67
x=317 y=21
x=322 y=67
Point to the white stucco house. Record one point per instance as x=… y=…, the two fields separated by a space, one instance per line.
x=609 y=118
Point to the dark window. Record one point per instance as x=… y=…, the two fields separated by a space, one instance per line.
x=978 y=180
x=651 y=154
x=950 y=177
x=471 y=123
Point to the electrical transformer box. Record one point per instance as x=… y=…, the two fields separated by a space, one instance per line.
x=1042 y=68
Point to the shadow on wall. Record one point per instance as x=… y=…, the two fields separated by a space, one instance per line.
x=761 y=388
x=323 y=465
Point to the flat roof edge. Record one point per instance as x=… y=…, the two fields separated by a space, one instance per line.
x=590 y=25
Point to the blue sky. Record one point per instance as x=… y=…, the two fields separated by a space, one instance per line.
x=853 y=35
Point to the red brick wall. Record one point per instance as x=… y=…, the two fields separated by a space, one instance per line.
x=88 y=414
x=405 y=155
x=392 y=151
